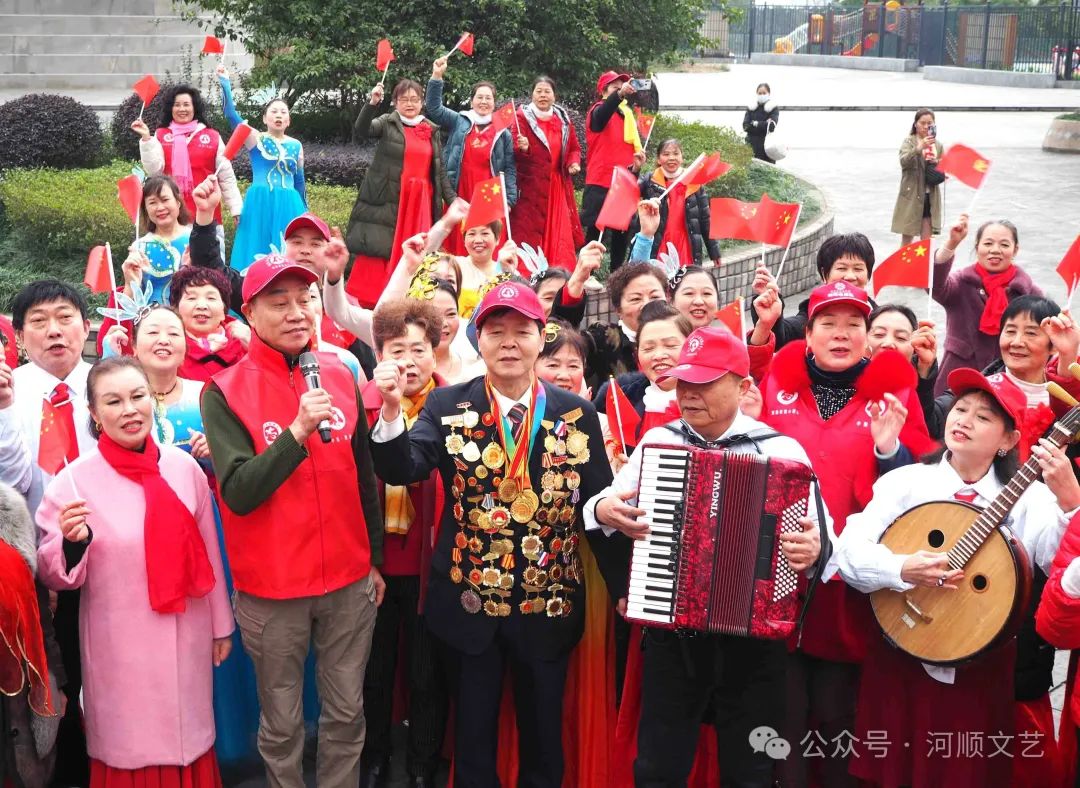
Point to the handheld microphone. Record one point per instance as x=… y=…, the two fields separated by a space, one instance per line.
x=309 y=368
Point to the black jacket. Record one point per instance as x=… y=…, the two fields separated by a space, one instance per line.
x=697 y=218
x=412 y=456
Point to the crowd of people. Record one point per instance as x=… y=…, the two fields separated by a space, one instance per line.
x=349 y=479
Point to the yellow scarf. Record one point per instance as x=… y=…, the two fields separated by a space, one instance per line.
x=629 y=126
x=399 y=506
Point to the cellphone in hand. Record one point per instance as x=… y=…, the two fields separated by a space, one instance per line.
x=639 y=84
x=933 y=130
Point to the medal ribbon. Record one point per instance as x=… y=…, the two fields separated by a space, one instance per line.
x=517 y=455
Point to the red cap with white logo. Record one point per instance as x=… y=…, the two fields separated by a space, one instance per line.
x=834 y=293
x=510 y=295
x=708 y=354
x=1008 y=394
x=264 y=271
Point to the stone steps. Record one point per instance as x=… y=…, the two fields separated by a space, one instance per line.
x=99 y=45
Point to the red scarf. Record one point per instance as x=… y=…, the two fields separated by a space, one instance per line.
x=659 y=418
x=176 y=562
x=996 y=298
x=22 y=646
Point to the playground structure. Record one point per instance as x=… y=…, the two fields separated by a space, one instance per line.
x=889 y=29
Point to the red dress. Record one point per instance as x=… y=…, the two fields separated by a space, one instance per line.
x=675 y=229
x=558 y=244
x=200 y=773
x=475 y=167
x=370 y=274
x=913 y=730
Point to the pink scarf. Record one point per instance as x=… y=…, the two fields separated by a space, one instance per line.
x=181 y=163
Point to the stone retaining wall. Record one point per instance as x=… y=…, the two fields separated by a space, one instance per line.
x=736 y=273
x=835 y=61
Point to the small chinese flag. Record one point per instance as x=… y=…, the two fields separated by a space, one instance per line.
x=98 y=275
x=965 y=164
x=487 y=204
x=623 y=420
x=708 y=169
x=56 y=445
x=147 y=88
x=644 y=123
x=1069 y=267
x=465 y=44
x=774 y=222
x=621 y=202
x=730 y=218
x=213 y=46
x=503 y=117
x=384 y=54
x=237 y=140
x=908 y=266
x=129 y=190
x=731 y=316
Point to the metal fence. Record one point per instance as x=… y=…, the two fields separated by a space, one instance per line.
x=1032 y=39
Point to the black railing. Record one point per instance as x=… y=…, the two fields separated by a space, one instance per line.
x=1041 y=39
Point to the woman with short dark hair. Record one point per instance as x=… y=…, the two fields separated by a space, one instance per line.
x=474 y=150
x=403 y=192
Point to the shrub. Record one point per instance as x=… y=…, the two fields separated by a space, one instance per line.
x=45 y=130
x=126 y=142
x=333 y=164
x=53 y=214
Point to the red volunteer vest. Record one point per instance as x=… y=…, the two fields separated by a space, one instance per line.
x=606 y=149
x=202 y=152
x=309 y=537
x=839 y=622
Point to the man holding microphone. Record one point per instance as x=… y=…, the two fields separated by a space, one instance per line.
x=302 y=522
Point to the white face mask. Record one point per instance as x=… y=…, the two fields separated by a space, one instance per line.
x=762 y=98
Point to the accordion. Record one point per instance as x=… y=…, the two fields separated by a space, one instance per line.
x=712 y=560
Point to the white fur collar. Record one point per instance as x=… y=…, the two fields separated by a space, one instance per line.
x=16 y=527
x=768 y=106
x=477 y=119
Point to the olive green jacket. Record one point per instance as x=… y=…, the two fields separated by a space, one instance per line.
x=374 y=216
x=908 y=213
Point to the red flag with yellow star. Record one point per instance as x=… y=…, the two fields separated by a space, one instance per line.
x=965 y=164
x=621 y=201
x=774 y=222
x=487 y=204
x=504 y=117
x=908 y=266
x=56 y=445
x=644 y=123
x=731 y=316
x=730 y=218
x=1069 y=267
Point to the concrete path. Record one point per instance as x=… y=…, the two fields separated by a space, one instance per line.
x=852 y=156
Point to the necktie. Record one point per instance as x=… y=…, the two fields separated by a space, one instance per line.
x=966 y=495
x=516 y=417
x=57 y=442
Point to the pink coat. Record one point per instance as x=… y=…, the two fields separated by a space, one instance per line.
x=147 y=676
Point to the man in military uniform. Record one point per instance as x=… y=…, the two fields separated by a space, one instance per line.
x=518 y=459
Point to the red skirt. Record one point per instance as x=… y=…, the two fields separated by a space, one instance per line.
x=200 y=773
x=370 y=274
x=912 y=730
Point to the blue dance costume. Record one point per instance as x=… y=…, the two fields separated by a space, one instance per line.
x=277 y=194
x=165 y=257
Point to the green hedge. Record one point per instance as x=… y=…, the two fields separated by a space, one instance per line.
x=52 y=218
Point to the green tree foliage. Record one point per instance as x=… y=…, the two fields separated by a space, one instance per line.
x=323 y=51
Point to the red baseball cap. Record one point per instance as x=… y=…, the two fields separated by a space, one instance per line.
x=264 y=271
x=308 y=220
x=510 y=295
x=1008 y=394
x=708 y=354
x=838 y=293
x=608 y=77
